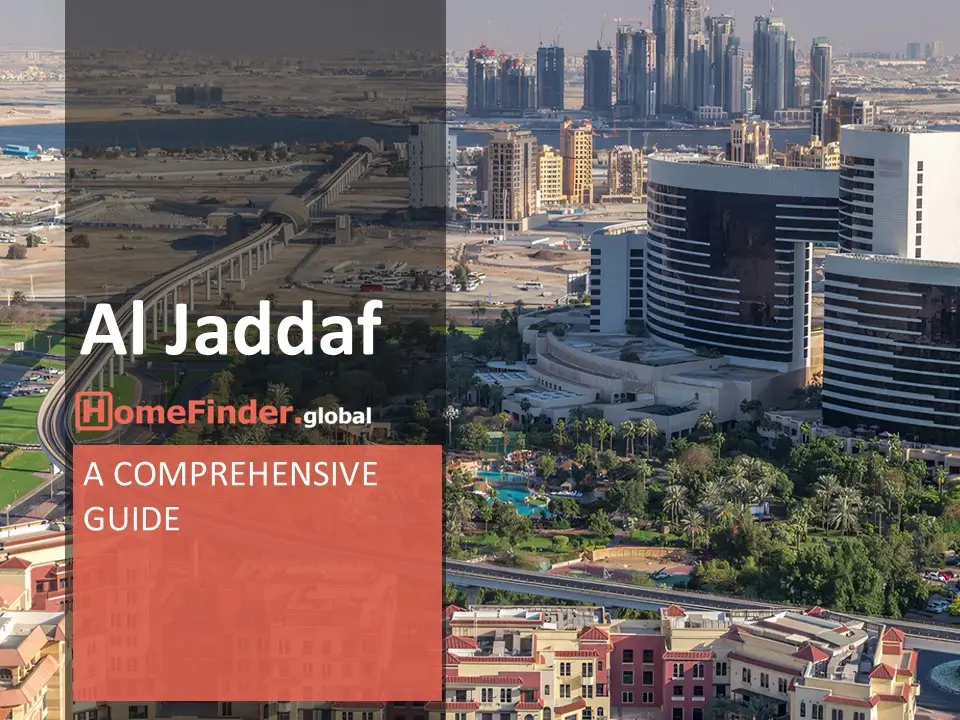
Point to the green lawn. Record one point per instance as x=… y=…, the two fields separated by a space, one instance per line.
x=49 y=340
x=18 y=478
x=18 y=419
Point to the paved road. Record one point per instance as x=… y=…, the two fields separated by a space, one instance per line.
x=932 y=697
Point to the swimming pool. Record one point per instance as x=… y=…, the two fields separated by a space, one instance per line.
x=512 y=488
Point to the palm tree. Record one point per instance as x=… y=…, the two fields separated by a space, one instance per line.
x=648 y=430
x=674 y=471
x=628 y=431
x=278 y=394
x=726 y=513
x=706 y=422
x=271 y=298
x=694 y=525
x=558 y=431
x=477 y=309
x=800 y=515
x=718 y=441
x=675 y=501
x=18 y=298
x=577 y=427
x=503 y=422
x=524 y=408
x=844 y=514
x=590 y=426
x=605 y=431
x=805 y=429
x=940 y=477
x=825 y=488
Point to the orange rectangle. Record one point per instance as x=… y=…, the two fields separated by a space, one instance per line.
x=263 y=591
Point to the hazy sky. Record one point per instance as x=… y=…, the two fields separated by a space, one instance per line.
x=297 y=26
x=32 y=24
x=851 y=25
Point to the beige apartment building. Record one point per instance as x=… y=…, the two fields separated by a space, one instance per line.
x=526 y=663
x=33 y=666
x=551 y=176
x=513 y=175
x=749 y=142
x=576 y=146
x=626 y=174
x=814 y=155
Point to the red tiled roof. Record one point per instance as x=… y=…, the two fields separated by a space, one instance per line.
x=882 y=672
x=14 y=563
x=442 y=706
x=891 y=635
x=577 y=704
x=690 y=655
x=31 y=686
x=483 y=680
x=577 y=653
x=675 y=611
x=594 y=634
x=359 y=705
x=811 y=653
x=763 y=663
x=908 y=667
x=496 y=658
x=840 y=700
x=815 y=611
x=450 y=659
x=451 y=609
x=458 y=642
x=735 y=633
x=529 y=705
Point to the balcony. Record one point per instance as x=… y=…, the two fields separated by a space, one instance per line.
x=588 y=680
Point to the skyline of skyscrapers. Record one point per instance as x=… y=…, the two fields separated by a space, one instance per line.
x=684 y=64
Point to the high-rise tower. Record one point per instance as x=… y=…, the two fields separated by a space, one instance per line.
x=550 y=77
x=665 y=28
x=773 y=63
x=597 y=80
x=821 y=58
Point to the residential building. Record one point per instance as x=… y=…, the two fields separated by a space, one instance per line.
x=625 y=174
x=35 y=573
x=914 y=51
x=576 y=147
x=670 y=45
x=624 y=69
x=598 y=81
x=616 y=277
x=749 y=142
x=734 y=102
x=814 y=155
x=830 y=115
x=550 y=77
x=899 y=192
x=891 y=353
x=698 y=91
x=729 y=255
x=518 y=87
x=483 y=81
x=934 y=50
x=551 y=176
x=821 y=61
x=33 y=665
x=432 y=157
x=644 y=87
x=512 y=175
x=572 y=662
x=774 y=69
x=721 y=31
x=536 y=662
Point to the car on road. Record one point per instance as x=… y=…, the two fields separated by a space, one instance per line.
x=937 y=606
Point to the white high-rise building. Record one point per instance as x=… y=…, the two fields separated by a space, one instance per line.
x=433 y=167
x=900 y=192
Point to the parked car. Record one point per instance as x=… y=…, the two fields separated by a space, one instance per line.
x=937 y=606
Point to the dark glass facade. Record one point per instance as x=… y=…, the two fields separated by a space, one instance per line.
x=856 y=203
x=892 y=357
x=723 y=270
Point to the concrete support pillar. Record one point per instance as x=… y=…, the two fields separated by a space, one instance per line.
x=232 y=274
x=132 y=356
x=165 y=313
x=110 y=377
x=100 y=380
x=156 y=328
x=191 y=293
x=207 y=282
x=269 y=251
x=120 y=364
x=219 y=280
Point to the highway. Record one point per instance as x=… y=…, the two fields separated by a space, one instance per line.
x=53 y=418
x=614 y=594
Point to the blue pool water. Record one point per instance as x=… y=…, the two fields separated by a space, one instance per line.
x=512 y=488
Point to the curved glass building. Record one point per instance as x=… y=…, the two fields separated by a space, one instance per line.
x=891 y=353
x=729 y=256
